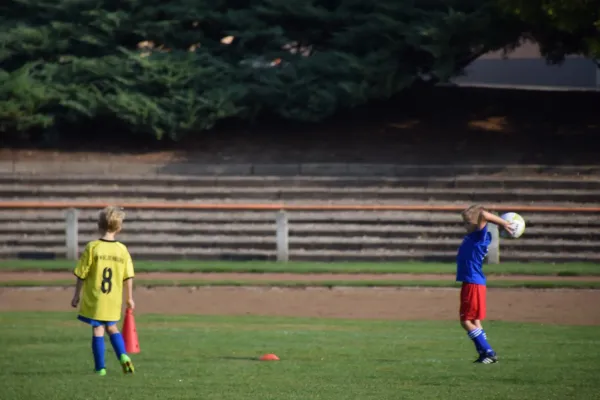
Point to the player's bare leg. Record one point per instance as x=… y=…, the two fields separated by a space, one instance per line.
x=469 y=325
x=98 y=331
x=119 y=346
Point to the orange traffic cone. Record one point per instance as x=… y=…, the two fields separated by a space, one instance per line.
x=269 y=357
x=132 y=346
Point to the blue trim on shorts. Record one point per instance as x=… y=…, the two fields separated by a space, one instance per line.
x=95 y=323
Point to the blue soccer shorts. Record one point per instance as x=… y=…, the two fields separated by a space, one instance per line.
x=95 y=323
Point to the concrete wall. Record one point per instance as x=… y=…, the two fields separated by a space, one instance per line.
x=526 y=67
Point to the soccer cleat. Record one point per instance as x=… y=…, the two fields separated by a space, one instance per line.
x=487 y=358
x=101 y=372
x=127 y=364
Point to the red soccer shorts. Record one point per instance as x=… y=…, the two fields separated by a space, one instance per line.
x=472 y=302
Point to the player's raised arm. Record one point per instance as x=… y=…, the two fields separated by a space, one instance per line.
x=494 y=219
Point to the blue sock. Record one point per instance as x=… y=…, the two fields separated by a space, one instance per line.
x=479 y=337
x=98 y=350
x=116 y=339
x=478 y=347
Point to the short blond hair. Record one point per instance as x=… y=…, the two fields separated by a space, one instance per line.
x=111 y=219
x=472 y=214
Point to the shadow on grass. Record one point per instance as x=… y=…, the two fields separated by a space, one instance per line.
x=238 y=358
x=46 y=373
x=387 y=361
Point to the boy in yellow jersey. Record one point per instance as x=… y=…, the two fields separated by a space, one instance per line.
x=103 y=267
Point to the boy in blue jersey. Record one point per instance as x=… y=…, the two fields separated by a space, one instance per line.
x=469 y=271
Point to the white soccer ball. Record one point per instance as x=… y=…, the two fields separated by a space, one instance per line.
x=516 y=221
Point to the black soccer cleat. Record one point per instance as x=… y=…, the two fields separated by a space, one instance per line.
x=487 y=358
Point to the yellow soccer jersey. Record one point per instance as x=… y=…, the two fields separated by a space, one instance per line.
x=103 y=267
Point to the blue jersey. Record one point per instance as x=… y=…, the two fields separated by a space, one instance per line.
x=471 y=253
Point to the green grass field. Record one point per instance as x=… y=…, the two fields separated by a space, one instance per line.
x=47 y=356
x=568 y=269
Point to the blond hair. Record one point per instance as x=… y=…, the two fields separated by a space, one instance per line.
x=472 y=214
x=111 y=219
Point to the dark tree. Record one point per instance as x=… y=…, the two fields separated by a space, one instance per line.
x=561 y=27
x=171 y=68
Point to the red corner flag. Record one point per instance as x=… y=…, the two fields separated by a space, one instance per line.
x=132 y=346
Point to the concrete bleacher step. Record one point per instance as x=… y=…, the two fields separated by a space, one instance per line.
x=112 y=167
x=297 y=229
x=277 y=193
x=224 y=253
x=354 y=184
x=463 y=182
x=310 y=242
x=389 y=218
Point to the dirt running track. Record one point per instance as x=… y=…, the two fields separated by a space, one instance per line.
x=575 y=307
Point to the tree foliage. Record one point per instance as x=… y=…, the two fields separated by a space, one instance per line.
x=171 y=68
x=561 y=27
